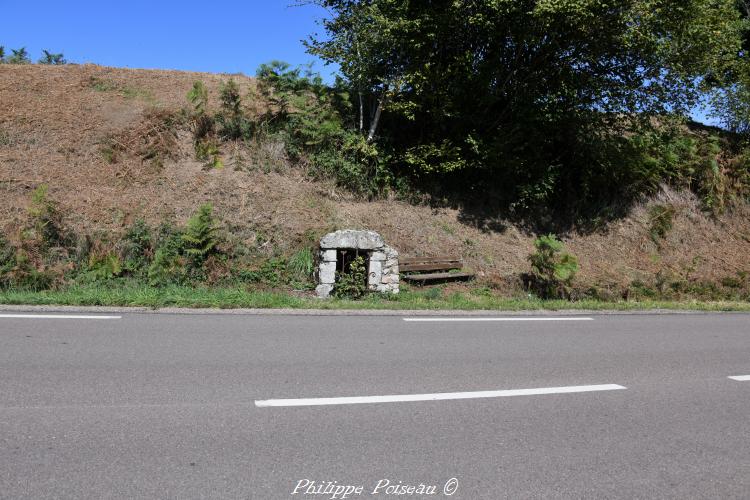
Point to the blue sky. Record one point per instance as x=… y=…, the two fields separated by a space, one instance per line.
x=221 y=37
x=217 y=37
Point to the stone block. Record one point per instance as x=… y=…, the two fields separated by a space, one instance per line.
x=328 y=255
x=376 y=272
x=323 y=290
x=327 y=272
x=377 y=256
x=349 y=238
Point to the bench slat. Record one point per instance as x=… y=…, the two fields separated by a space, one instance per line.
x=435 y=266
x=423 y=278
x=426 y=260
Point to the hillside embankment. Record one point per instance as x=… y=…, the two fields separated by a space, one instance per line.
x=96 y=137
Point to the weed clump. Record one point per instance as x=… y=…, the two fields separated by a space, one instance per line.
x=552 y=269
x=661 y=218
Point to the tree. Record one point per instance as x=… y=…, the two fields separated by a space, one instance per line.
x=531 y=94
x=2 y=54
x=20 y=56
x=53 y=59
x=364 y=45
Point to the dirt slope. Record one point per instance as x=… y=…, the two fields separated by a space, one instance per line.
x=57 y=123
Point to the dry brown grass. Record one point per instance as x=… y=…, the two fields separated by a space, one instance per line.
x=56 y=121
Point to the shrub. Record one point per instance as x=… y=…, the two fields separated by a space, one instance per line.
x=168 y=265
x=552 y=269
x=136 y=247
x=352 y=284
x=233 y=124
x=166 y=268
x=47 y=225
x=7 y=261
x=53 y=59
x=201 y=236
x=25 y=275
x=103 y=265
x=19 y=56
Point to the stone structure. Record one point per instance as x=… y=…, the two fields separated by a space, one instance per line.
x=382 y=260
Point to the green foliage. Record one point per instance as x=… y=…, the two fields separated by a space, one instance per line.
x=198 y=97
x=53 y=59
x=25 y=275
x=272 y=272
x=301 y=265
x=47 y=224
x=208 y=152
x=552 y=269
x=660 y=221
x=529 y=104
x=168 y=266
x=7 y=261
x=103 y=266
x=203 y=127
x=310 y=117
x=352 y=284
x=136 y=247
x=233 y=124
x=2 y=55
x=19 y=56
x=201 y=236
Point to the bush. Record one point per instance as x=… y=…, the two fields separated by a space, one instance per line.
x=552 y=269
x=53 y=59
x=201 y=236
x=19 y=56
x=233 y=124
x=26 y=276
x=47 y=225
x=7 y=261
x=103 y=265
x=136 y=247
x=353 y=283
x=168 y=265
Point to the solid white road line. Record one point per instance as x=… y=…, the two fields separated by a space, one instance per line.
x=55 y=316
x=436 y=397
x=536 y=318
x=741 y=378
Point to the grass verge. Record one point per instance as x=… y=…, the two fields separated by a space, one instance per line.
x=232 y=298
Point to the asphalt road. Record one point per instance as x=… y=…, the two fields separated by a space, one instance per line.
x=167 y=406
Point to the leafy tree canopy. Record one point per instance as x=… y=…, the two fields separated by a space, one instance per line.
x=527 y=89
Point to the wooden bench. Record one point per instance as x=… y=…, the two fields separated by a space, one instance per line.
x=418 y=269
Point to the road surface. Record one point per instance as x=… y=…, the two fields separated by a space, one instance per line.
x=139 y=405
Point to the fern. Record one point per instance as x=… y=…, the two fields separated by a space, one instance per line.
x=552 y=269
x=201 y=236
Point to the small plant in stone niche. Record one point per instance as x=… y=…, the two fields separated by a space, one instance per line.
x=352 y=283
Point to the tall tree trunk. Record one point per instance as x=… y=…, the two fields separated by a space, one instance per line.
x=376 y=119
x=361 y=113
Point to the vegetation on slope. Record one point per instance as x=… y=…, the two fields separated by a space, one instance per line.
x=553 y=115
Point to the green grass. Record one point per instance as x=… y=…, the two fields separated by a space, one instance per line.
x=229 y=298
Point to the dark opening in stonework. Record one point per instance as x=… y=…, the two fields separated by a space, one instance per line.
x=345 y=256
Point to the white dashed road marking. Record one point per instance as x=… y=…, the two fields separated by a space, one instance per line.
x=437 y=396
x=497 y=319
x=54 y=316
